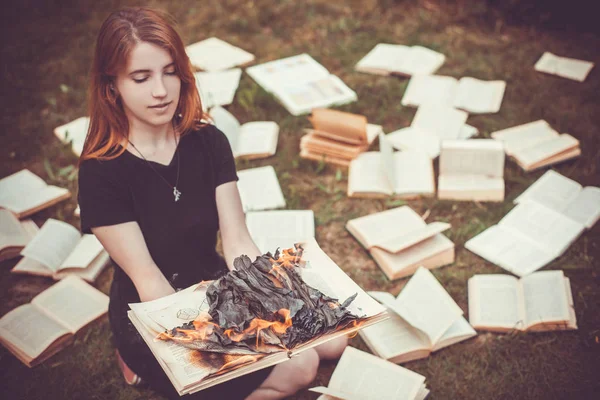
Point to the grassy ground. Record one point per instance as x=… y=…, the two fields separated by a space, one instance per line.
x=46 y=54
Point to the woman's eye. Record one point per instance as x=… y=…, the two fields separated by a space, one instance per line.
x=139 y=80
x=173 y=72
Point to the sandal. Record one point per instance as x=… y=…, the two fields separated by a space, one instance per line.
x=131 y=378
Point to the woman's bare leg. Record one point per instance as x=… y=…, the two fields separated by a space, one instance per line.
x=333 y=349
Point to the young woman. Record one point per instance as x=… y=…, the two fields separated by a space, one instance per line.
x=155 y=186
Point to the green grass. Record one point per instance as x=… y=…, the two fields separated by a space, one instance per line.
x=44 y=81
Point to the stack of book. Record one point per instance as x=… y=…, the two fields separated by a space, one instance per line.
x=400 y=241
x=337 y=137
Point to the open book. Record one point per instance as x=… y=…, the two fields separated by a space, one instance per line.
x=74 y=132
x=470 y=94
x=417 y=316
x=432 y=124
x=14 y=234
x=385 y=172
x=301 y=84
x=559 y=193
x=214 y=54
x=59 y=250
x=526 y=239
x=280 y=228
x=565 y=67
x=400 y=241
x=541 y=301
x=471 y=170
x=34 y=332
x=396 y=59
x=536 y=144
x=217 y=88
x=362 y=376
x=259 y=189
x=184 y=366
x=25 y=193
x=337 y=137
x=251 y=140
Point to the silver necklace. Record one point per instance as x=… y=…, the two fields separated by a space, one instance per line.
x=176 y=192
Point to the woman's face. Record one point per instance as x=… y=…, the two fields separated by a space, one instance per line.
x=149 y=86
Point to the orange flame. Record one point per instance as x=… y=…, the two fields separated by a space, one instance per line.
x=257 y=325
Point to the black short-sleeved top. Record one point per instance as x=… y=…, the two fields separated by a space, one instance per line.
x=181 y=236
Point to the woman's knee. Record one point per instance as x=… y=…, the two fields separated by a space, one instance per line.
x=307 y=367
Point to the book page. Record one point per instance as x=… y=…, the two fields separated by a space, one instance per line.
x=24 y=190
x=258 y=137
x=298 y=69
x=259 y=189
x=585 y=208
x=386 y=225
x=545 y=297
x=460 y=330
x=469 y=183
x=472 y=157
x=52 y=244
x=74 y=132
x=413 y=173
x=411 y=139
x=85 y=251
x=383 y=58
x=11 y=231
x=72 y=302
x=510 y=250
x=228 y=124
x=366 y=175
x=217 y=88
x=467 y=132
x=518 y=138
x=440 y=120
x=90 y=273
x=425 y=304
x=373 y=131
x=281 y=228
x=550 y=229
x=387 y=168
x=430 y=89
x=214 y=54
x=570 y=68
x=30 y=330
x=496 y=301
x=552 y=190
x=404 y=241
x=28 y=265
x=546 y=149
x=477 y=96
x=421 y=61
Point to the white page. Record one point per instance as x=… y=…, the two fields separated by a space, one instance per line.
x=440 y=120
x=545 y=297
x=477 y=96
x=11 y=231
x=228 y=124
x=373 y=131
x=384 y=57
x=74 y=132
x=72 y=302
x=214 y=54
x=387 y=168
x=459 y=330
x=280 y=228
x=546 y=149
x=298 y=69
x=21 y=182
x=520 y=137
x=472 y=157
x=85 y=251
x=426 y=305
x=24 y=190
x=365 y=375
x=404 y=241
x=510 y=250
x=585 y=208
x=259 y=189
x=550 y=229
x=258 y=137
x=430 y=89
x=217 y=88
x=469 y=183
x=412 y=139
x=30 y=330
x=495 y=301
x=570 y=68
x=52 y=244
x=366 y=175
x=467 y=132
x=385 y=225
x=422 y=61
x=552 y=190
x=413 y=172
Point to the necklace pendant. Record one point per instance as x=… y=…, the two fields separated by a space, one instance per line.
x=176 y=193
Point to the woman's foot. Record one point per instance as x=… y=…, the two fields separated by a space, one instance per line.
x=130 y=377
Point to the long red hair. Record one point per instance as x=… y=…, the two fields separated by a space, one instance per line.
x=118 y=35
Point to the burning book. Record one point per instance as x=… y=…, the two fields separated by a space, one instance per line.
x=254 y=317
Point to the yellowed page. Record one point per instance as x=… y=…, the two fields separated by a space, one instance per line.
x=72 y=302
x=53 y=244
x=545 y=298
x=259 y=189
x=30 y=330
x=496 y=301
